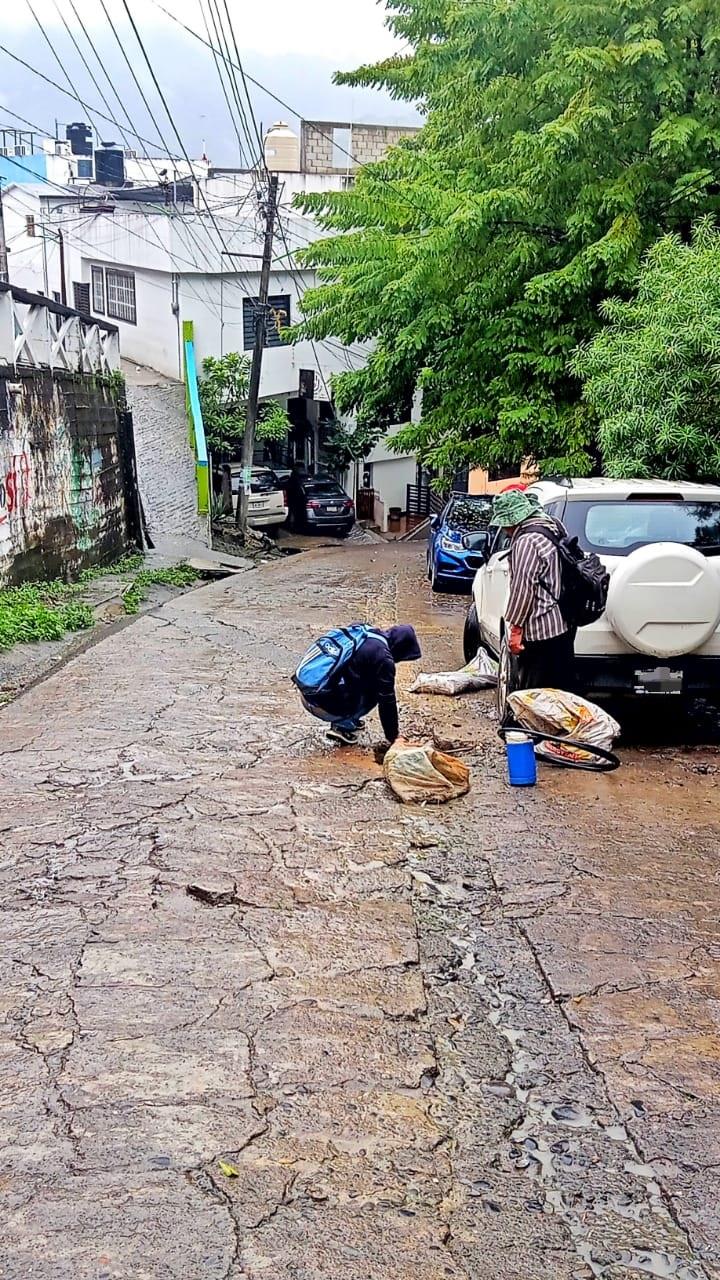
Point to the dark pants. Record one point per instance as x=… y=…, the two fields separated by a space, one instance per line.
x=342 y=718
x=548 y=664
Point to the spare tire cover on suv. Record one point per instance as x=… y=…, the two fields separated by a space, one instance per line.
x=664 y=599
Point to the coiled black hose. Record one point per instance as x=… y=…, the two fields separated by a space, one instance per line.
x=605 y=762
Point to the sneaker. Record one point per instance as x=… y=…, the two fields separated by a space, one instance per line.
x=345 y=736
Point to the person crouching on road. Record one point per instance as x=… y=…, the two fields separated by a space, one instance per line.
x=538 y=635
x=367 y=681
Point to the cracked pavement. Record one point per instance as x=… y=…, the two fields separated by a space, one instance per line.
x=478 y=1041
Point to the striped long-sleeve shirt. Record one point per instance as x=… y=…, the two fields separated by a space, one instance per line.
x=535 y=582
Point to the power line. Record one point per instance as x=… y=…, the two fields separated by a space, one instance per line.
x=101 y=64
x=221 y=38
x=55 y=54
x=261 y=147
x=173 y=126
x=298 y=115
x=148 y=108
x=90 y=110
x=272 y=184
x=84 y=61
x=223 y=86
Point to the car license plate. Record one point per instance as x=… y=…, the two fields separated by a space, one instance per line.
x=659 y=680
x=332 y=510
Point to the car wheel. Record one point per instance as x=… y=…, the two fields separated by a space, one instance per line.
x=508 y=681
x=437 y=583
x=471 y=634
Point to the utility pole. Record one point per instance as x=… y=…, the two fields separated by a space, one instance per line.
x=63 y=290
x=4 y=273
x=248 y=447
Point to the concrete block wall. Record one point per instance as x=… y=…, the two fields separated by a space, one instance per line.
x=165 y=462
x=65 y=477
x=369 y=142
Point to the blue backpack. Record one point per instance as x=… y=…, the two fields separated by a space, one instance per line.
x=321 y=666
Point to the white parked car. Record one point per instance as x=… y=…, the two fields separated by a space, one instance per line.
x=660 y=543
x=268 y=500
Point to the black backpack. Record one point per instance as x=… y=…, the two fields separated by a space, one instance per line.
x=584 y=580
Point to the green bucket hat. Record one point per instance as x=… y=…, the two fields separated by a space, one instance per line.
x=512 y=508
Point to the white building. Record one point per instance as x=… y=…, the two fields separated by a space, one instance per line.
x=161 y=250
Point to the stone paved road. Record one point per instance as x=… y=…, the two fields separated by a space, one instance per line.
x=475 y=1042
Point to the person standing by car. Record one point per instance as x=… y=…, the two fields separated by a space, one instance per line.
x=296 y=494
x=538 y=635
x=366 y=679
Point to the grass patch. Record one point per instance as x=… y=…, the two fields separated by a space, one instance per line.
x=48 y=610
x=181 y=575
x=40 y=611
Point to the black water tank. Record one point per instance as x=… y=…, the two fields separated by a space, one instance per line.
x=109 y=165
x=79 y=136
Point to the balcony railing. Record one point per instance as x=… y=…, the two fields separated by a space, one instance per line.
x=36 y=332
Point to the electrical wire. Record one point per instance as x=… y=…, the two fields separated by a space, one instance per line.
x=223 y=86
x=55 y=55
x=200 y=248
x=298 y=115
x=261 y=146
x=85 y=62
x=261 y=156
x=173 y=126
x=221 y=38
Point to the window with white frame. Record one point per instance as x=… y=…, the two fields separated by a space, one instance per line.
x=120 y=295
x=98 y=290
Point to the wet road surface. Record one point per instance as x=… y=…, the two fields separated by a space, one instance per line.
x=480 y=1041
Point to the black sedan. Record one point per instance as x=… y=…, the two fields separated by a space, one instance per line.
x=327 y=507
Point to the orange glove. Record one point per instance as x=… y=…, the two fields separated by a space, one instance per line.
x=515 y=641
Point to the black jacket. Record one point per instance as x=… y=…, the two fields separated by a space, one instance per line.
x=368 y=680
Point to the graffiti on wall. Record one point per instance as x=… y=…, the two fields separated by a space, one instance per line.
x=15 y=486
x=62 y=500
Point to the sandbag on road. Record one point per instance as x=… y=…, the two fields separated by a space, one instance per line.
x=420 y=774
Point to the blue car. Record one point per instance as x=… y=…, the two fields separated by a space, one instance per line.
x=458 y=542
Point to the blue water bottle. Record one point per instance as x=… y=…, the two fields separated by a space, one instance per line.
x=522 y=765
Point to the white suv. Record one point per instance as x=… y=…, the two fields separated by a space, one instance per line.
x=267 y=507
x=660 y=543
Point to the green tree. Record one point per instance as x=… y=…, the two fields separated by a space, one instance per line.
x=561 y=138
x=652 y=376
x=223 y=399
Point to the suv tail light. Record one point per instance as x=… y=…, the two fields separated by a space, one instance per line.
x=349 y=505
x=313 y=505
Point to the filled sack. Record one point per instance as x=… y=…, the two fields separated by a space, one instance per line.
x=481 y=673
x=556 y=712
x=420 y=774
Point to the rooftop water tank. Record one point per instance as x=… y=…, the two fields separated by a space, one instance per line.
x=109 y=165
x=79 y=136
x=282 y=149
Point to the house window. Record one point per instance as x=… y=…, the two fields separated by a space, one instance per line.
x=120 y=295
x=98 y=290
x=29 y=224
x=278 y=318
x=85 y=169
x=81 y=297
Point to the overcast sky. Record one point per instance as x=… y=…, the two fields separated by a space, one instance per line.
x=291 y=46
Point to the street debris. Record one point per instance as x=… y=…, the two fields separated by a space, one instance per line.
x=557 y=713
x=481 y=673
x=229 y=1170
x=419 y=773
